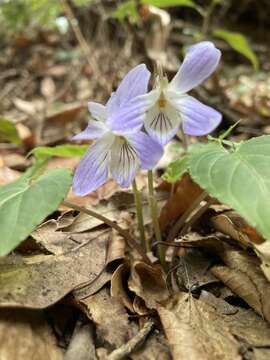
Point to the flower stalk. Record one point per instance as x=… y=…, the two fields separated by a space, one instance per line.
x=154 y=213
x=139 y=213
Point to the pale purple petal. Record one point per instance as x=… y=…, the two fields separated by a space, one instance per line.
x=162 y=123
x=94 y=130
x=92 y=171
x=124 y=162
x=134 y=83
x=198 y=119
x=128 y=119
x=98 y=111
x=199 y=63
x=148 y=150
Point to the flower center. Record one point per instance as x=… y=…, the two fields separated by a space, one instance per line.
x=161 y=103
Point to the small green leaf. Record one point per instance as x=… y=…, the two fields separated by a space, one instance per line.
x=239 y=177
x=67 y=150
x=176 y=169
x=170 y=3
x=26 y=202
x=128 y=9
x=239 y=43
x=8 y=131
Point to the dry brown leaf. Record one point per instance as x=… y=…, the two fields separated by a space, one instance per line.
x=116 y=247
x=155 y=348
x=119 y=287
x=193 y=270
x=186 y=191
x=242 y=274
x=230 y=223
x=26 y=335
x=148 y=282
x=194 y=331
x=109 y=316
x=41 y=280
x=263 y=252
x=261 y=354
x=221 y=306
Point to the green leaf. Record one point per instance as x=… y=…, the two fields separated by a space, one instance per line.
x=169 y=3
x=239 y=177
x=8 y=131
x=67 y=150
x=26 y=202
x=128 y=9
x=239 y=43
x=176 y=169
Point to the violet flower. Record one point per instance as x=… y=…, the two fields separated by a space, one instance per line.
x=169 y=107
x=121 y=147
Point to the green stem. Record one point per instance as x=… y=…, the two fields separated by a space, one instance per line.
x=139 y=211
x=154 y=213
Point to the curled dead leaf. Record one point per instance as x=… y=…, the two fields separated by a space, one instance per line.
x=194 y=330
x=242 y=274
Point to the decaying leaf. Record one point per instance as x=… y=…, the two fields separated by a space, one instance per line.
x=41 y=280
x=110 y=317
x=148 y=282
x=26 y=335
x=232 y=224
x=263 y=252
x=194 y=330
x=155 y=348
x=242 y=274
x=119 y=288
x=186 y=191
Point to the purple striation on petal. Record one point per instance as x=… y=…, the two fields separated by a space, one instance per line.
x=98 y=111
x=92 y=171
x=124 y=162
x=134 y=83
x=94 y=130
x=199 y=63
x=148 y=150
x=198 y=119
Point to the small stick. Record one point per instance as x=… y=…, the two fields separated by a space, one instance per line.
x=130 y=346
x=132 y=242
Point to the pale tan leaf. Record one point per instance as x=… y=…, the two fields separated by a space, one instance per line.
x=41 y=280
x=194 y=331
x=242 y=274
x=26 y=335
x=119 y=288
x=148 y=282
x=110 y=317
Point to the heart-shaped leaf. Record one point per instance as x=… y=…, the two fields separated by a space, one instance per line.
x=239 y=177
x=26 y=202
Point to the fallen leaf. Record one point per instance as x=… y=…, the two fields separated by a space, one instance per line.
x=195 y=331
x=41 y=280
x=242 y=274
x=263 y=252
x=232 y=224
x=119 y=287
x=185 y=192
x=26 y=335
x=109 y=316
x=8 y=175
x=148 y=282
x=155 y=348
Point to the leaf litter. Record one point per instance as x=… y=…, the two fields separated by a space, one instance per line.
x=77 y=260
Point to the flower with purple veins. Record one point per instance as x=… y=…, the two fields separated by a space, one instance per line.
x=169 y=106
x=121 y=148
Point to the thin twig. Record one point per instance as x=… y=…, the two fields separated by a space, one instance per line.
x=131 y=345
x=132 y=242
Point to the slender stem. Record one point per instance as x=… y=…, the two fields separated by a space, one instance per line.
x=132 y=242
x=181 y=221
x=154 y=213
x=139 y=211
